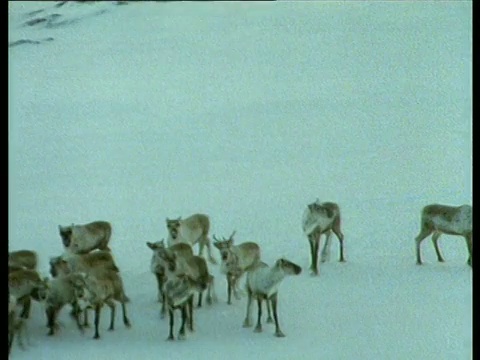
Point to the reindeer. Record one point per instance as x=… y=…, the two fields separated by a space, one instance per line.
x=65 y=288
x=179 y=291
x=322 y=218
x=443 y=219
x=157 y=265
x=81 y=239
x=236 y=259
x=16 y=324
x=103 y=287
x=191 y=230
x=262 y=284
x=27 y=259
x=25 y=285
x=84 y=262
x=193 y=266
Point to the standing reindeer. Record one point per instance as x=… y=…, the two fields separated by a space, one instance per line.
x=157 y=264
x=236 y=260
x=179 y=291
x=81 y=239
x=322 y=218
x=443 y=219
x=262 y=284
x=191 y=230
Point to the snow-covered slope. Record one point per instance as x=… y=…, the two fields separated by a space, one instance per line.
x=248 y=111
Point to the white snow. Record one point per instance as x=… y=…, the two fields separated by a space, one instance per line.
x=248 y=111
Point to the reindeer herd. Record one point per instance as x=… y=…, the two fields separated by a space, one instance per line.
x=85 y=277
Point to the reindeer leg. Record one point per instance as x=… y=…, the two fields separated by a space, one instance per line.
x=160 y=286
x=435 y=237
x=111 y=305
x=325 y=255
x=258 y=328
x=190 y=313
x=200 y=296
x=27 y=304
x=311 y=241
x=209 y=290
x=51 y=316
x=181 y=332
x=229 y=288
x=209 y=250
x=269 y=312
x=126 y=321
x=98 y=308
x=247 y=322
x=170 y=315
x=162 y=310
x=278 y=332
x=85 y=318
x=315 y=245
x=201 y=246
x=418 y=240
x=336 y=230
x=75 y=313
x=468 y=239
x=11 y=335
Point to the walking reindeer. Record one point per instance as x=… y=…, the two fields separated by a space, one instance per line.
x=443 y=219
x=322 y=218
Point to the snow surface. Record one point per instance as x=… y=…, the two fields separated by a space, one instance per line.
x=248 y=111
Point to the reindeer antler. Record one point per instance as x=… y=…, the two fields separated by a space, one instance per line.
x=215 y=238
x=231 y=236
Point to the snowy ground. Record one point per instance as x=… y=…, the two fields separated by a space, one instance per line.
x=247 y=112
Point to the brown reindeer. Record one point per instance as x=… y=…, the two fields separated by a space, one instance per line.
x=81 y=239
x=191 y=230
x=157 y=264
x=443 y=219
x=236 y=260
x=322 y=218
x=27 y=259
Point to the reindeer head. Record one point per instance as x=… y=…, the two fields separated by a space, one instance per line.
x=288 y=267
x=224 y=245
x=59 y=266
x=65 y=234
x=40 y=290
x=173 y=226
x=80 y=290
x=156 y=245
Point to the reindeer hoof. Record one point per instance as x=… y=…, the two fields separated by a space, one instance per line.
x=247 y=324
x=269 y=320
x=96 y=337
x=314 y=273
x=170 y=338
x=181 y=337
x=419 y=263
x=258 y=329
x=279 y=334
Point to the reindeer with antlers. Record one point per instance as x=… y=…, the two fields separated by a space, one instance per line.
x=236 y=260
x=322 y=218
